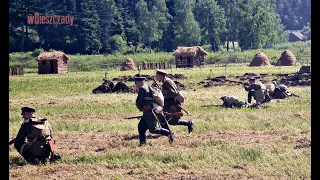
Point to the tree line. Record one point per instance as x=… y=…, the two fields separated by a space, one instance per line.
x=125 y=26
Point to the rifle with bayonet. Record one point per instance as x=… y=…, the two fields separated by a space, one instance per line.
x=177 y=114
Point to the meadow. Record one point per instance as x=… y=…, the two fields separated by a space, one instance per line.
x=96 y=142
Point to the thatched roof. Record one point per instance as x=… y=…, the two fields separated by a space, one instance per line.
x=58 y=55
x=189 y=51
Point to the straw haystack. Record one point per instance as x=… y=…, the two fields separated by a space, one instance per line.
x=189 y=56
x=287 y=58
x=52 y=63
x=260 y=59
x=128 y=64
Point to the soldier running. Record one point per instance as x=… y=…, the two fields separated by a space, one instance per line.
x=171 y=104
x=151 y=117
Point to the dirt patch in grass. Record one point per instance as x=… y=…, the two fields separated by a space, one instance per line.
x=293 y=79
x=102 y=171
x=94 y=143
x=71 y=144
x=303 y=115
x=303 y=143
x=97 y=116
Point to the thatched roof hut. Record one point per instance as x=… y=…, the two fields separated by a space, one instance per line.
x=53 y=63
x=128 y=64
x=189 y=51
x=189 y=56
x=260 y=59
x=287 y=58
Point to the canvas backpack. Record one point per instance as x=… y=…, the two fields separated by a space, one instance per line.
x=40 y=128
x=157 y=95
x=279 y=93
x=180 y=97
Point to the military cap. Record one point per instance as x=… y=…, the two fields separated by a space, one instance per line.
x=27 y=109
x=223 y=97
x=161 y=71
x=140 y=78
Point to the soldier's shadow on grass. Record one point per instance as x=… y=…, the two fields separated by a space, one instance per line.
x=17 y=161
x=137 y=137
x=221 y=106
x=213 y=105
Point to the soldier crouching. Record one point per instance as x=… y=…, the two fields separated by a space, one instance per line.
x=34 y=140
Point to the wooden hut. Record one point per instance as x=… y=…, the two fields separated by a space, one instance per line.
x=296 y=36
x=52 y=63
x=189 y=56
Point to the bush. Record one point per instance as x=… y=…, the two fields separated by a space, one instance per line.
x=118 y=44
x=36 y=52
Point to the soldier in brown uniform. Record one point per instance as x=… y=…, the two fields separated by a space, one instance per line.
x=150 y=117
x=171 y=104
x=257 y=90
x=34 y=140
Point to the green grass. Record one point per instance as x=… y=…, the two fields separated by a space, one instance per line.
x=95 y=141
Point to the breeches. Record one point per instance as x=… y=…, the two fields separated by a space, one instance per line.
x=36 y=150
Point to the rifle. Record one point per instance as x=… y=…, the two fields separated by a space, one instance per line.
x=183 y=109
x=178 y=114
x=12 y=141
x=155 y=82
x=295 y=95
x=133 y=117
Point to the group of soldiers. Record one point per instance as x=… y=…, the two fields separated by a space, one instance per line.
x=156 y=118
x=35 y=143
x=262 y=94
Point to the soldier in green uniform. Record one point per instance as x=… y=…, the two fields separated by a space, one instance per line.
x=171 y=104
x=233 y=102
x=150 y=117
x=34 y=140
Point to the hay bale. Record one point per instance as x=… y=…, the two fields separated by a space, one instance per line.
x=128 y=64
x=287 y=59
x=260 y=59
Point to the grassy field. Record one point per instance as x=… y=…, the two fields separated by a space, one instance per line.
x=97 y=143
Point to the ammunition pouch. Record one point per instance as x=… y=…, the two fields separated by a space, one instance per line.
x=146 y=108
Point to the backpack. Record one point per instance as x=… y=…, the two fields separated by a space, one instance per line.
x=40 y=128
x=279 y=93
x=180 y=97
x=157 y=95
